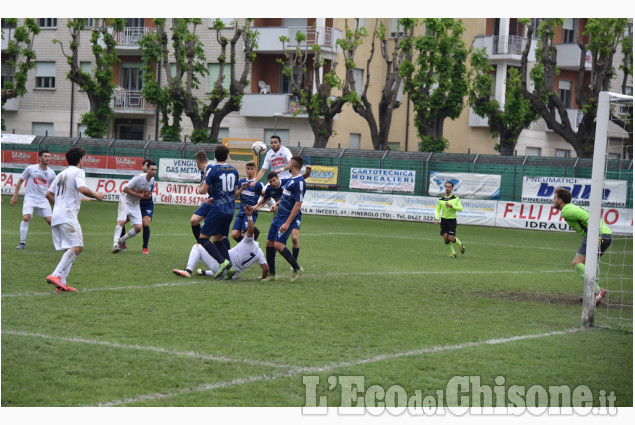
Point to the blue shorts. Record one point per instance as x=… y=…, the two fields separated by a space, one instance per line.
x=240 y=223
x=275 y=236
x=147 y=210
x=604 y=241
x=203 y=210
x=217 y=223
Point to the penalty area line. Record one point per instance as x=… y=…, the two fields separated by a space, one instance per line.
x=314 y=275
x=191 y=354
x=327 y=368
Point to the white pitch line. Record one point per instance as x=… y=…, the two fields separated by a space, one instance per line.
x=330 y=367
x=190 y=354
x=209 y=281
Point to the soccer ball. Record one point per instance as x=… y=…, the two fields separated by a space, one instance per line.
x=258 y=147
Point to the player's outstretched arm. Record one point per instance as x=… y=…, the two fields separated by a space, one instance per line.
x=14 y=198
x=307 y=172
x=91 y=193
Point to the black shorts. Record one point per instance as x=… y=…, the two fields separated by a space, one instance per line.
x=448 y=225
x=604 y=242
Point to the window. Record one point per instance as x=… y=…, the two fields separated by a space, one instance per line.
x=47 y=22
x=212 y=76
x=7 y=75
x=354 y=141
x=564 y=90
x=134 y=22
x=81 y=130
x=532 y=151
x=228 y=22
x=624 y=109
x=282 y=133
x=568 y=30
x=613 y=156
x=298 y=76
x=358 y=75
x=394 y=26
x=294 y=22
x=131 y=76
x=563 y=153
x=43 y=128
x=89 y=23
x=394 y=146
x=45 y=75
x=85 y=67
x=5 y=24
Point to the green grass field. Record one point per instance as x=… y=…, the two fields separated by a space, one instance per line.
x=380 y=300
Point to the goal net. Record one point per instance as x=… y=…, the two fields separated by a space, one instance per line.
x=612 y=271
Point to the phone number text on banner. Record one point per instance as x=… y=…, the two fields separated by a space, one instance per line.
x=380 y=180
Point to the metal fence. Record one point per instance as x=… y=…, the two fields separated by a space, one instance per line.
x=512 y=169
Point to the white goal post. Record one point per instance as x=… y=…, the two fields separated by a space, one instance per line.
x=606 y=101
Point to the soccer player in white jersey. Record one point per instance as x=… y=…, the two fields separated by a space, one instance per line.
x=137 y=188
x=38 y=178
x=242 y=256
x=65 y=194
x=277 y=158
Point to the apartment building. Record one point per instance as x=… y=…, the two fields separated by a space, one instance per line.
x=54 y=105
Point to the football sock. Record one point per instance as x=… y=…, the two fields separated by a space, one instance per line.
x=195 y=256
x=123 y=231
x=24 y=228
x=146 y=236
x=289 y=257
x=240 y=238
x=65 y=263
x=271 y=259
x=129 y=235
x=196 y=230
x=227 y=245
x=118 y=234
x=580 y=268
x=450 y=248
x=211 y=250
x=296 y=252
x=222 y=248
x=457 y=241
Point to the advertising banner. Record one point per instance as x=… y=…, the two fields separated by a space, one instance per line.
x=392 y=207
x=19 y=157
x=179 y=170
x=523 y=215
x=541 y=189
x=379 y=180
x=322 y=176
x=466 y=185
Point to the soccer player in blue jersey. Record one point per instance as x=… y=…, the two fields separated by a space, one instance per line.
x=248 y=195
x=202 y=162
x=221 y=185
x=282 y=224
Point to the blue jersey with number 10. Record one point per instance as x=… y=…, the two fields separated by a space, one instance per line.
x=222 y=180
x=292 y=192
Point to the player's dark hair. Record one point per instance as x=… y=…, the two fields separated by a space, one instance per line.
x=221 y=153
x=451 y=184
x=42 y=152
x=271 y=175
x=256 y=233
x=563 y=194
x=149 y=162
x=200 y=156
x=276 y=137
x=146 y=161
x=74 y=155
x=298 y=159
x=250 y=164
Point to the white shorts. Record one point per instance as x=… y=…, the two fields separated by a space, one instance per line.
x=124 y=211
x=43 y=209
x=67 y=235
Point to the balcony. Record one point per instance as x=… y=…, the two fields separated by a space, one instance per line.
x=569 y=57
x=504 y=47
x=128 y=38
x=325 y=37
x=476 y=121
x=130 y=101
x=267 y=105
x=12 y=104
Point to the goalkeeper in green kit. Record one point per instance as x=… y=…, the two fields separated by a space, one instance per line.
x=578 y=219
x=447 y=206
